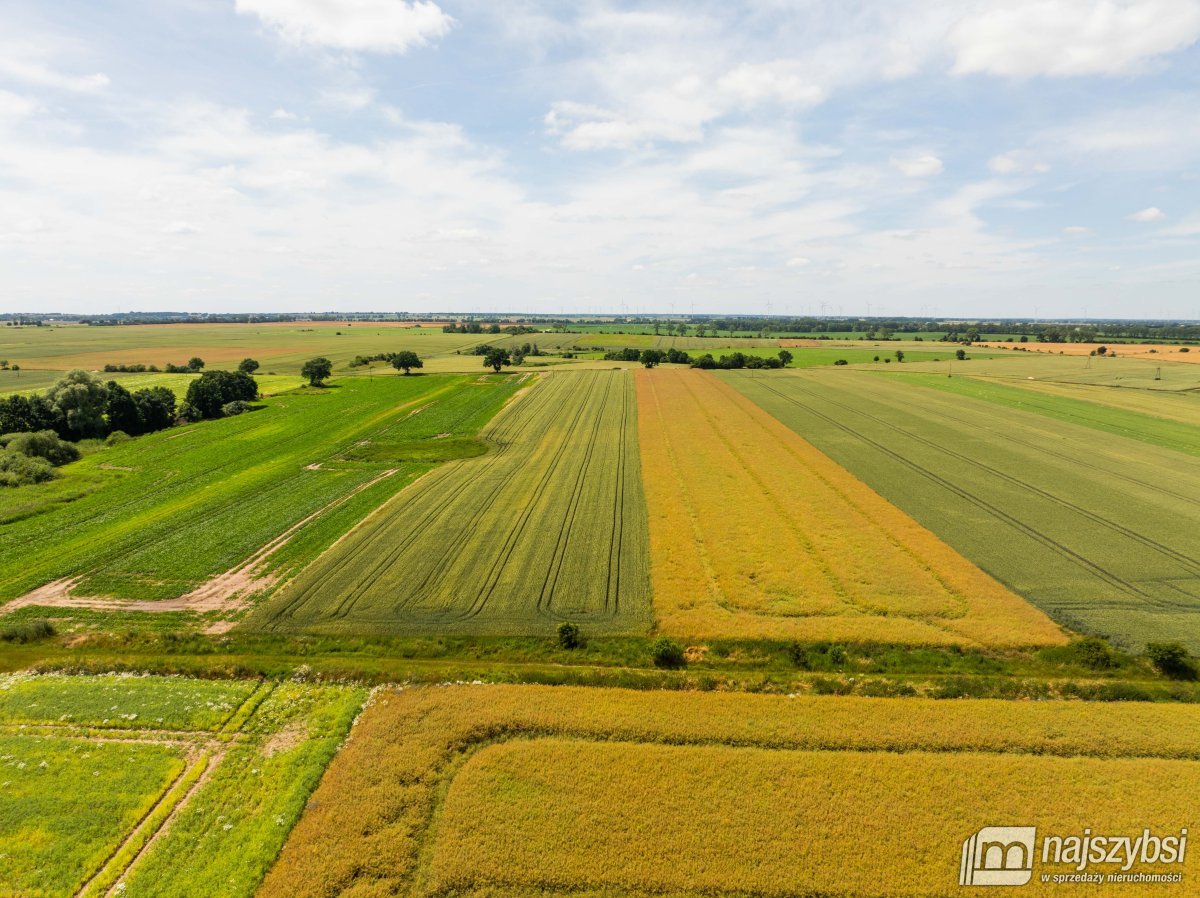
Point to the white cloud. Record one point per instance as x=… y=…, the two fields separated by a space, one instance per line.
x=283 y=115
x=13 y=66
x=779 y=81
x=924 y=166
x=379 y=26
x=799 y=262
x=1016 y=162
x=180 y=228
x=13 y=106
x=1024 y=38
x=1076 y=230
x=1152 y=213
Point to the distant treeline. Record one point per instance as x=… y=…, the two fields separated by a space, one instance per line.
x=732 y=361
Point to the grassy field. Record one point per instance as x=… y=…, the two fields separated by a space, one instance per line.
x=280 y=348
x=1100 y=530
x=553 y=791
x=548 y=526
x=156 y=786
x=157 y=516
x=753 y=532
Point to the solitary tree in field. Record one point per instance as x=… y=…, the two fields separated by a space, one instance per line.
x=496 y=357
x=651 y=357
x=785 y=357
x=195 y=363
x=247 y=366
x=317 y=370
x=899 y=355
x=406 y=360
x=960 y=354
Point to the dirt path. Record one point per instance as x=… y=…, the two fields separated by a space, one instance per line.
x=229 y=591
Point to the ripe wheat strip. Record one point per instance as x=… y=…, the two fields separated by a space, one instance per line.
x=756 y=533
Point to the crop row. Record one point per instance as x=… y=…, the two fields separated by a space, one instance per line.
x=756 y=533
x=548 y=526
x=377 y=826
x=1102 y=532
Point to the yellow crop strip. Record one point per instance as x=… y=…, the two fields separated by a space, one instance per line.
x=755 y=533
x=704 y=819
x=523 y=790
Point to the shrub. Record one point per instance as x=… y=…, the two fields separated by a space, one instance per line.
x=666 y=652
x=841 y=362
x=20 y=470
x=569 y=636
x=1093 y=652
x=229 y=409
x=44 y=444
x=28 y=631
x=1171 y=659
x=188 y=413
x=212 y=390
x=117 y=437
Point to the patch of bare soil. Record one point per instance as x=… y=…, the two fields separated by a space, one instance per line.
x=285 y=740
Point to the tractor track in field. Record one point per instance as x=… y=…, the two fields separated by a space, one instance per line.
x=445 y=498
x=228 y=591
x=1063 y=551
x=1191 y=565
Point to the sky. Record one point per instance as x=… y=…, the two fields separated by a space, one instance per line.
x=1010 y=158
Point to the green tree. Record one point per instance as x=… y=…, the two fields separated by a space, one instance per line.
x=80 y=400
x=212 y=390
x=195 y=363
x=785 y=357
x=960 y=354
x=651 y=357
x=495 y=358
x=248 y=366
x=317 y=370
x=899 y=355
x=156 y=409
x=121 y=410
x=406 y=360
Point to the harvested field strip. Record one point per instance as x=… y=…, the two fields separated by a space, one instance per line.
x=756 y=533
x=562 y=813
x=559 y=501
x=1103 y=534
x=162 y=514
x=423 y=760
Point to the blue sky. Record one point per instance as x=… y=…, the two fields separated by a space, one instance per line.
x=1005 y=158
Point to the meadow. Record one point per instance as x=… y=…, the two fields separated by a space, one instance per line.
x=548 y=526
x=156 y=786
x=755 y=533
x=281 y=348
x=1099 y=529
x=484 y=790
x=158 y=516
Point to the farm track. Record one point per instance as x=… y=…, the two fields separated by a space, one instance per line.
x=534 y=532
x=156 y=534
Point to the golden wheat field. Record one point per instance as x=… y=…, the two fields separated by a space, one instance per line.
x=522 y=790
x=755 y=533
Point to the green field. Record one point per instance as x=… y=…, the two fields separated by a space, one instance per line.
x=156 y=785
x=549 y=526
x=157 y=516
x=1100 y=530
